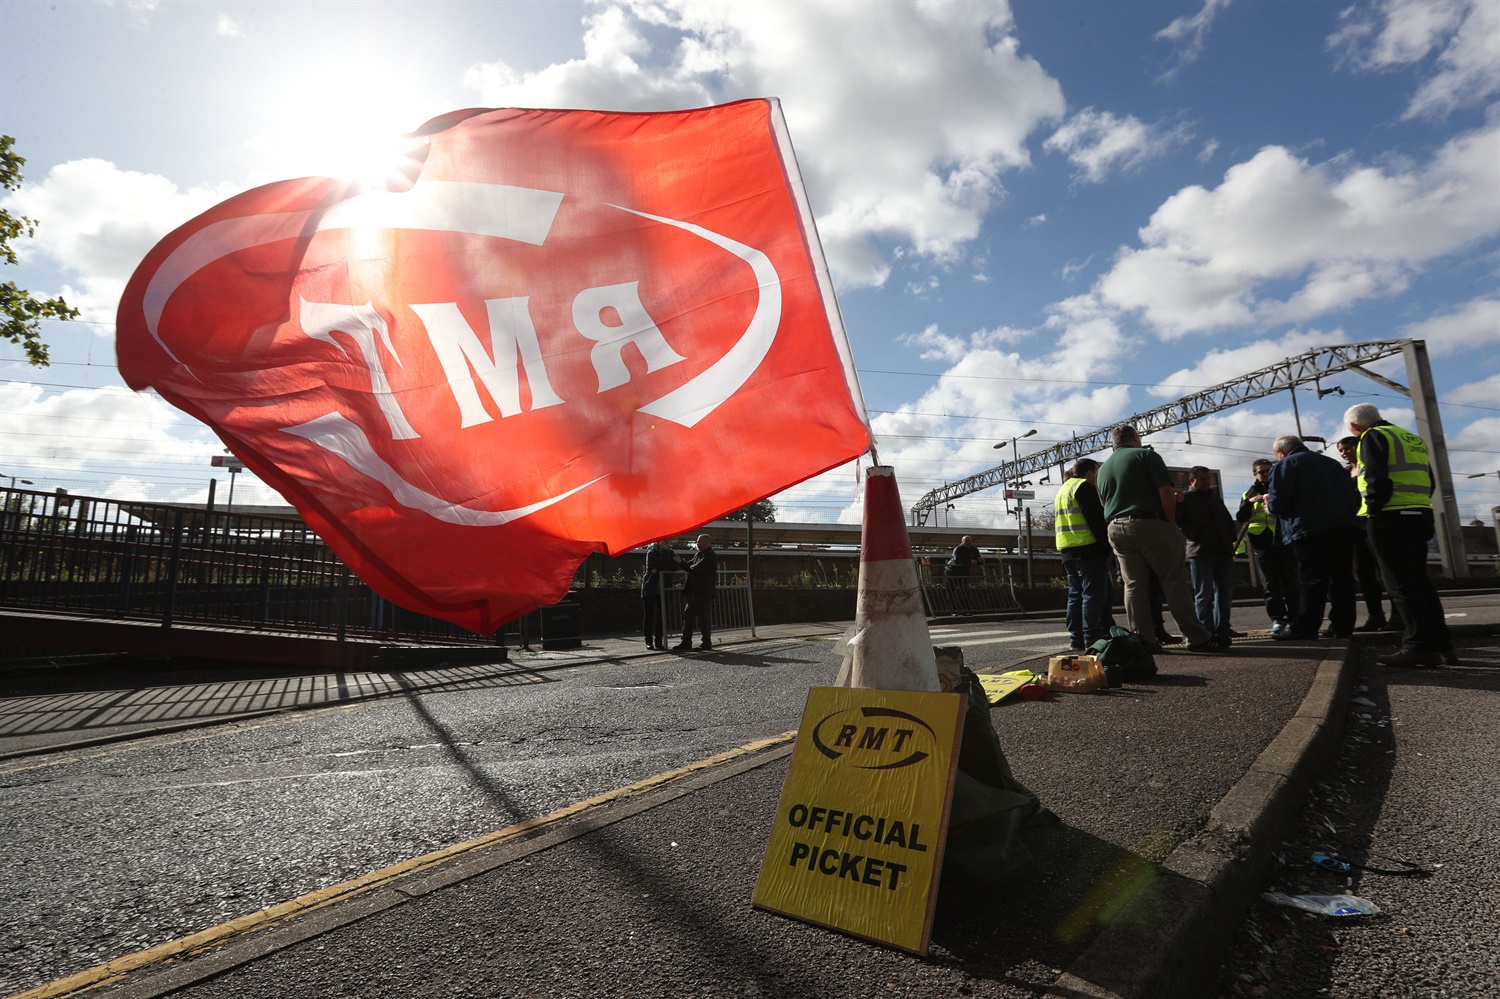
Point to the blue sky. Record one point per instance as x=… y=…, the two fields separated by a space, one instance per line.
x=1041 y=215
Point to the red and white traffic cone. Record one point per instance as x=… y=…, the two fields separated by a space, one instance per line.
x=890 y=648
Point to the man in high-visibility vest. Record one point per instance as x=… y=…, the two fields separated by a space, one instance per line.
x=1277 y=568
x=1366 y=569
x=1395 y=485
x=1085 y=551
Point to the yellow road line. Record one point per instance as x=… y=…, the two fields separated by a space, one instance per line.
x=112 y=971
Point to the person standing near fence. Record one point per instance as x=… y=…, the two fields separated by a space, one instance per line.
x=1085 y=552
x=962 y=563
x=699 y=591
x=660 y=558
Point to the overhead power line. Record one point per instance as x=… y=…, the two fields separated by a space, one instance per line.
x=1283 y=375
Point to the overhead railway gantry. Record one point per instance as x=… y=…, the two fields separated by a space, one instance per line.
x=1285 y=375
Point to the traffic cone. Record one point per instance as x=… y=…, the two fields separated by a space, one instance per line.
x=889 y=648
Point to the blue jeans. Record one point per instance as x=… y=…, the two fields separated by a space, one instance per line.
x=1088 y=600
x=1213 y=590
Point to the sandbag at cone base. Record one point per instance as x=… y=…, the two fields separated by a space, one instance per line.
x=890 y=649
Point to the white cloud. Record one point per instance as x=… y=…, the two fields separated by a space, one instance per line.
x=1475 y=324
x=1337 y=233
x=1479 y=436
x=97 y=222
x=905 y=114
x=1097 y=142
x=1482 y=392
x=1464 y=34
x=1192 y=32
x=70 y=431
x=228 y=27
x=1207 y=152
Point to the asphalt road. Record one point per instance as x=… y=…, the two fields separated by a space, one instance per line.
x=116 y=848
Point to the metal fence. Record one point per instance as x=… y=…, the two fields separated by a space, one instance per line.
x=141 y=560
x=991 y=591
x=734 y=610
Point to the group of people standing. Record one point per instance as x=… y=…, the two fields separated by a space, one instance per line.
x=699 y=591
x=1310 y=523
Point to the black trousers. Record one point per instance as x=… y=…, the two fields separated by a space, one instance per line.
x=1325 y=579
x=1277 y=566
x=699 y=612
x=651 y=620
x=1367 y=573
x=1400 y=539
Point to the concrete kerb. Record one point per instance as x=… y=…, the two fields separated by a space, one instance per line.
x=1168 y=939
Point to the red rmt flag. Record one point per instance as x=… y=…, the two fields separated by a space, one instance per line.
x=566 y=331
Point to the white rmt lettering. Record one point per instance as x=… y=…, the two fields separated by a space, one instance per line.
x=458 y=349
x=361 y=323
x=636 y=326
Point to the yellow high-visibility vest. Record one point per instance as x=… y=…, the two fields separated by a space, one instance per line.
x=1260 y=520
x=1406 y=466
x=1072 y=529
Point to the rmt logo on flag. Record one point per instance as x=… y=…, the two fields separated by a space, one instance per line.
x=569 y=331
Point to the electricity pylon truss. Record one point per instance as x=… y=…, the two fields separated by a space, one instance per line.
x=1281 y=376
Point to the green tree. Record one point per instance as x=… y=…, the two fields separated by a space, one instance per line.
x=20 y=313
x=760 y=512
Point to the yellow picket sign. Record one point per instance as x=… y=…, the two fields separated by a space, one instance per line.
x=857 y=845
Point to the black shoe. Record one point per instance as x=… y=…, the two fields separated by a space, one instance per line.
x=1411 y=657
x=1166 y=639
x=682 y=647
x=1373 y=624
x=706 y=647
x=1211 y=646
x=1450 y=657
x=1331 y=633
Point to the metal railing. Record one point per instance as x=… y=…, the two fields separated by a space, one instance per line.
x=733 y=610
x=991 y=591
x=174 y=564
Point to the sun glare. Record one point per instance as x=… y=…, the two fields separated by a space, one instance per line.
x=339 y=120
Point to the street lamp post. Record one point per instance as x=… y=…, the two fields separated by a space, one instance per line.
x=1015 y=456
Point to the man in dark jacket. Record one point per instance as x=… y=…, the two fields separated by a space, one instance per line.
x=1210 y=533
x=699 y=591
x=1314 y=501
x=659 y=559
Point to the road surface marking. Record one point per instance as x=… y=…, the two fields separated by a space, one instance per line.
x=110 y=972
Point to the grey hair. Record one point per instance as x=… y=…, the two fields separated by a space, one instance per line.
x=1119 y=435
x=1362 y=414
x=1287 y=443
